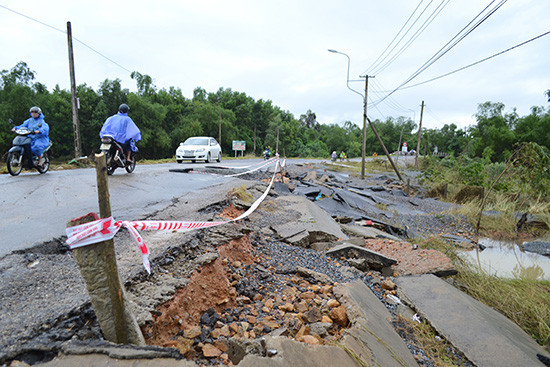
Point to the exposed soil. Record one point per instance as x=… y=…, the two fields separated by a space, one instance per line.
x=236 y=297
x=411 y=260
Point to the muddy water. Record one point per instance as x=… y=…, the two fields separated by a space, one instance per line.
x=507 y=260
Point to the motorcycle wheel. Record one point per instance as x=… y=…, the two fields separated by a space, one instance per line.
x=130 y=167
x=45 y=164
x=15 y=163
x=110 y=164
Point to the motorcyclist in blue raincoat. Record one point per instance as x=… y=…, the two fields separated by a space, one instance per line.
x=123 y=129
x=39 y=138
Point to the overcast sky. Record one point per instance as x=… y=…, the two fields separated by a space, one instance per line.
x=277 y=50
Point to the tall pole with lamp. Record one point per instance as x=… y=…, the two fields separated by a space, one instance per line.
x=365 y=119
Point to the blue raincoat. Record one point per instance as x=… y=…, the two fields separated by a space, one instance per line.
x=40 y=141
x=121 y=128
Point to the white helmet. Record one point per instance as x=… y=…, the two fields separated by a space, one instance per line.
x=35 y=109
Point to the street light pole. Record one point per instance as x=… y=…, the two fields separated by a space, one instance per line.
x=364 y=149
x=365 y=119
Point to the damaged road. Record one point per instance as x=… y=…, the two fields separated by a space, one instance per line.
x=263 y=291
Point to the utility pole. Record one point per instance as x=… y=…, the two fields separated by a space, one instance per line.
x=419 y=135
x=76 y=127
x=220 y=129
x=254 y=139
x=277 y=146
x=364 y=148
x=365 y=118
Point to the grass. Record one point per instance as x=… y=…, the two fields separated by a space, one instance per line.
x=525 y=302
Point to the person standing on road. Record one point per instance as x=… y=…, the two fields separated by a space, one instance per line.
x=123 y=129
x=40 y=134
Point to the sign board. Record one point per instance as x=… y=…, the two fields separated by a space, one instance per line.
x=404 y=148
x=239 y=145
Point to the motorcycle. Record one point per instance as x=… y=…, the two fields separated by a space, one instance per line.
x=17 y=157
x=267 y=155
x=115 y=157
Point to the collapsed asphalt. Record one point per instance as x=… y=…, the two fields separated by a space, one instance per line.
x=46 y=302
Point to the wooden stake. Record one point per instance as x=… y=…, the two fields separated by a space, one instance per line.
x=97 y=264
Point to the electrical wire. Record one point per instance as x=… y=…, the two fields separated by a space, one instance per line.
x=65 y=32
x=477 y=62
x=446 y=48
x=417 y=34
x=388 y=46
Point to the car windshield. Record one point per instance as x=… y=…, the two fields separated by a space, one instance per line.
x=196 y=141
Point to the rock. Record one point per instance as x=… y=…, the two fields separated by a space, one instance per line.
x=287 y=307
x=237 y=349
x=311 y=176
x=326 y=320
x=210 y=351
x=333 y=303
x=207 y=258
x=310 y=339
x=192 y=333
x=374 y=259
x=184 y=345
x=388 y=284
x=339 y=316
x=313 y=315
x=360 y=264
x=539 y=247
x=304 y=330
x=224 y=331
x=320 y=328
x=282 y=331
x=317 y=277
x=307 y=295
x=301 y=306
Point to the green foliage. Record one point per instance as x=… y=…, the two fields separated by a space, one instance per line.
x=167 y=118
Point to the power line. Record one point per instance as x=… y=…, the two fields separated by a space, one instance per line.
x=65 y=32
x=403 y=26
x=417 y=34
x=443 y=50
x=478 y=62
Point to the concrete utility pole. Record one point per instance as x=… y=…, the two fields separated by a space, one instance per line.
x=364 y=147
x=97 y=264
x=76 y=127
x=419 y=135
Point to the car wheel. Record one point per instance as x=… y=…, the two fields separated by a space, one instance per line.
x=179 y=160
x=208 y=158
x=193 y=161
x=219 y=157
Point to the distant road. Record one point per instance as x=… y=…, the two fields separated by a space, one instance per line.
x=35 y=208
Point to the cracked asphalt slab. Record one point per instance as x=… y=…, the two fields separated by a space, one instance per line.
x=44 y=300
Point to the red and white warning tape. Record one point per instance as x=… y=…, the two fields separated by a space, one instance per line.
x=105 y=229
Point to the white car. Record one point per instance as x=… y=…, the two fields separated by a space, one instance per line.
x=199 y=148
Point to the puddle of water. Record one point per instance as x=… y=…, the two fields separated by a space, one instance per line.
x=506 y=260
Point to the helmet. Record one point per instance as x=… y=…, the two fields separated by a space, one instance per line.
x=124 y=108
x=35 y=109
